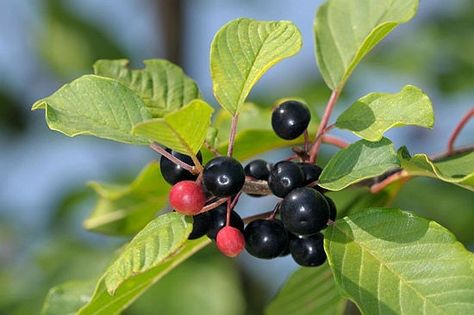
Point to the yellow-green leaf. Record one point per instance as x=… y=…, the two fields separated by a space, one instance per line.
x=346 y=30
x=183 y=130
x=372 y=115
x=457 y=169
x=161 y=85
x=242 y=51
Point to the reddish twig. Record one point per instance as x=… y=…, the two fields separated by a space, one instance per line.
x=229 y=209
x=458 y=130
x=402 y=174
x=322 y=126
x=338 y=142
x=306 y=141
x=233 y=131
x=212 y=149
x=156 y=147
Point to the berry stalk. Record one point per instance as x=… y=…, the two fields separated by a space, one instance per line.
x=323 y=125
x=194 y=170
x=233 y=132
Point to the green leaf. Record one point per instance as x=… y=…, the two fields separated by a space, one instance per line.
x=126 y=209
x=161 y=85
x=102 y=303
x=67 y=298
x=457 y=169
x=97 y=106
x=182 y=289
x=362 y=159
x=149 y=248
x=345 y=31
x=308 y=291
x=183 y=130
x=242 y=51
x=391 y=262
x=372 y=115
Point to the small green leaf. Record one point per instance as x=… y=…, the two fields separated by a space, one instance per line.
x=161 y=85
x=457 y=169
x=345 y=31
x=67 y=298
x=158 y=241
x=372 y=115
x=362 y=159
x=242 y=51
x=308 y=291
x=183 y=130
x=126 y=209
x=391 y=262
x=97 y=106
x=102 y=303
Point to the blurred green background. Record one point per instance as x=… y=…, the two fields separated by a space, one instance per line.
x=43 y=198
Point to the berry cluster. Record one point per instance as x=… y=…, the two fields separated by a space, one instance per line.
x=293 y=227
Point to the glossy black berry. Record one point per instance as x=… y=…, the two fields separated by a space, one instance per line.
x=218 y=219
x=265 y=238
x=332 y=209
x=201 y=225
x=304 y=211
x=290 y=119
x=284 y=177
x=308 y=251
x=173 y=173
x=223 y=176
x=258 y=169
x=311 y=172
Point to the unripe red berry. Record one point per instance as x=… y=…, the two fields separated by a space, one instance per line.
x=187 y=197
x=230 y=241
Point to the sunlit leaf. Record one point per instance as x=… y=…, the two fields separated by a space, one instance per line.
x=391 y=262
x=183 y=131
x=242 y=51
x=346 y=30
x=372 y=115
x=457 y=169
x=97 y=106
x=161 y=85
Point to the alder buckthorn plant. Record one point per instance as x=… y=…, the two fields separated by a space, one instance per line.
x=382 y=259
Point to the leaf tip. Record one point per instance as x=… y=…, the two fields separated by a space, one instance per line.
x=41 y=104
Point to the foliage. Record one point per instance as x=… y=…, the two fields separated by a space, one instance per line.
x=387 y=261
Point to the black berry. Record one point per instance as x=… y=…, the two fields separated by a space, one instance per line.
x=284 y=177
x=290 y=119
x=223 y=176
x=265 y=238
x=201 y=225
x=218 y=220
x=308 y=251
x=173 y=173
x=258 y=169
x=311 y=172
x=304 y=211
x=332 y=209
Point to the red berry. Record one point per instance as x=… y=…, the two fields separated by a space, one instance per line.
x=230 y=241
x=187 y=197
